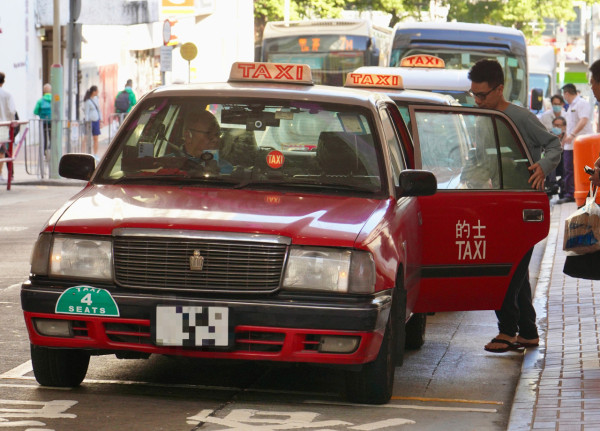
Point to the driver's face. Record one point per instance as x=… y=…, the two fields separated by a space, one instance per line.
x=200 y=136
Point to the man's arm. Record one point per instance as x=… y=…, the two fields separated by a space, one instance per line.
x=578 y=128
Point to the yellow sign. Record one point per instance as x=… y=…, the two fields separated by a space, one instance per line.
x=189 y=51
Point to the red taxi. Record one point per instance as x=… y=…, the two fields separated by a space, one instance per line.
x=249 y=250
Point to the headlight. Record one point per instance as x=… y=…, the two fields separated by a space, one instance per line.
x=72 y=256
x=329 y=269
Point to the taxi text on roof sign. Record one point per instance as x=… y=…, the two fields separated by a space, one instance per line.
x=271 y=72
x=373 y=80
x=422 y=60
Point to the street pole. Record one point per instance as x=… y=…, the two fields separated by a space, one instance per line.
x=56 y=80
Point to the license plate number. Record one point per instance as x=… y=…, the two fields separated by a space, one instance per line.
x=189 y=326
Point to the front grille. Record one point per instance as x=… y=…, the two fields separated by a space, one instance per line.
x=229 y=265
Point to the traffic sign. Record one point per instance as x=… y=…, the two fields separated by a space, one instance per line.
x=166 y=31
x=189 y=51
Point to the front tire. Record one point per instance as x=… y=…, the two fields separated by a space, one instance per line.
x=374 y=383
x=59 y=367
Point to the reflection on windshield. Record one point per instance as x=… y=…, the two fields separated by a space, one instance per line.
x=246 y=144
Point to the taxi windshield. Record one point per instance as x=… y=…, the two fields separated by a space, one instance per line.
x=246 y=143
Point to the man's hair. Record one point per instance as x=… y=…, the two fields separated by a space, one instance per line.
x=2 y=78
x=559 y=97
x=569 y=88
x=47 y=88
x=562 y=120
x=200 y=115
x=129 y=83
x=595 y=69
x=488 y=71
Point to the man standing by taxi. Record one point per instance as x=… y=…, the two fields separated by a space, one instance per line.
x=516 y=317
x=579 y=122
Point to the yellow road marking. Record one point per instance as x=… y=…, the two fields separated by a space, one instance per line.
x=449 y=400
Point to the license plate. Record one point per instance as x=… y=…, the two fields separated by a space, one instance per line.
x=189 y=326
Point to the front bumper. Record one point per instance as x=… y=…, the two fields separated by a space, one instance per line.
x=289 y=328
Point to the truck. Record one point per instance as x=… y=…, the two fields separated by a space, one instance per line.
x=542 y=69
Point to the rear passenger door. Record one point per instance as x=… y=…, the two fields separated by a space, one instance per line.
x=485 y=215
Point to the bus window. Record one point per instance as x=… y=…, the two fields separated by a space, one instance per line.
x=332 y=48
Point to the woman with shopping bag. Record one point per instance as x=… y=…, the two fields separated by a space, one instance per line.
x=583 y=248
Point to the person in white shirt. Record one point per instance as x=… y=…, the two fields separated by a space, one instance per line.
x=579 y=122
x=91 y=108
x=7 y=113
x=558 y=110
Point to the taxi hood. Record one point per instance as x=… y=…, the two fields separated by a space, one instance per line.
x=307 y=219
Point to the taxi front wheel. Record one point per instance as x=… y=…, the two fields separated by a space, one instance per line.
x=374 y=383
x=59 y=367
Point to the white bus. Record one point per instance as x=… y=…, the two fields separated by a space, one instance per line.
x=331 y=47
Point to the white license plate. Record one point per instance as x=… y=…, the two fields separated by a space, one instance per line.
x=191 y=326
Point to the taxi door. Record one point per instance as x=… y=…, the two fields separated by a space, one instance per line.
x=484 y=217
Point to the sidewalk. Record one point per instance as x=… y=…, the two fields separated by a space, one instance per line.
x=559 y=387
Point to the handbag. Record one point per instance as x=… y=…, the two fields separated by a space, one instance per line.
x=582 y=232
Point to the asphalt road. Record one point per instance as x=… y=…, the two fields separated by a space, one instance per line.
x=451 y=383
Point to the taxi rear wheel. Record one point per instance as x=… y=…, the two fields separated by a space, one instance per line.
x=415 y=331
x=59 y=367
x=374 y=383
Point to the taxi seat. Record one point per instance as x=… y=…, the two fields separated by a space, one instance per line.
x=346 y=154
x=238 y=147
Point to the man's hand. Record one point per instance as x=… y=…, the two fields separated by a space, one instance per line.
x=595 y=178
x=538 y=177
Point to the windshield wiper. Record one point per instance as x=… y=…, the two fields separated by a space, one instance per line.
x=310 y=185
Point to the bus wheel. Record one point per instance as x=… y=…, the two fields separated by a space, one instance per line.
x=415 y=331
x=374 y=383
x=59 y=367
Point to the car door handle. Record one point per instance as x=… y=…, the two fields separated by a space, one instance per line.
x=533 y=215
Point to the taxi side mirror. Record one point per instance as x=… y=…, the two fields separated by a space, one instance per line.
x=537 y=99
x=77 y=166
x=415 y=182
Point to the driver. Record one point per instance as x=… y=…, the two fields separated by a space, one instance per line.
x=201 y=141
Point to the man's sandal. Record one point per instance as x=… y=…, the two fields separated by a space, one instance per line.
x=508 y=346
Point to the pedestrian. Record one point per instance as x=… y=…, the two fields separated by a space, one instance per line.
x=595 y=84
x=579 y=122
x=7 y=113
x=91 y=109
x=554 y=186
x=125 y=99
x=516 y=317
x=557 y=110
x=43 y=109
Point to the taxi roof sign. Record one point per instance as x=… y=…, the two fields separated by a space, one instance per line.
x=422 y=60
x=374 y=80
x=271 y=72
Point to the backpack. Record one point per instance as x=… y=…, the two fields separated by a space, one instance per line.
x=122 y=102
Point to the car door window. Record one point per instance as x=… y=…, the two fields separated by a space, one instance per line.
x=471 y=151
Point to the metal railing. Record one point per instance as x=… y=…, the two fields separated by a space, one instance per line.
x=36 y=140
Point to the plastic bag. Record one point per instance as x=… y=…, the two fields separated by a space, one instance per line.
x=582 y=228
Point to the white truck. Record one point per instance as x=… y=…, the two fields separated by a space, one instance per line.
x=542 y=70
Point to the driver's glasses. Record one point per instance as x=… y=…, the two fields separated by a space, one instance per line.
x=209 y=134
x=482 y=95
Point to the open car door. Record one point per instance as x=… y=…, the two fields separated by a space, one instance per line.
x=484 y=217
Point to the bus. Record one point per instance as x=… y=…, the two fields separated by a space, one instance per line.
x=461 y=45
x=331 y=47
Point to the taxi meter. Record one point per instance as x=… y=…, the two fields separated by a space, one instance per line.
x=269 y=251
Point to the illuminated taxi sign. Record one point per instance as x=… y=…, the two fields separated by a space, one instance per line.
x=378 y=80
x=271 y=72
x=422 y=60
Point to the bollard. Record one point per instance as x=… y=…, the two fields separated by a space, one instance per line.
x=586 y=149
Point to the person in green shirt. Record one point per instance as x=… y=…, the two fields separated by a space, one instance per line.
x=43 y=109
x=125 y=99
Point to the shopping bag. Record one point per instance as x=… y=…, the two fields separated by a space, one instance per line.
x=582 y=228
x=583 y=266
